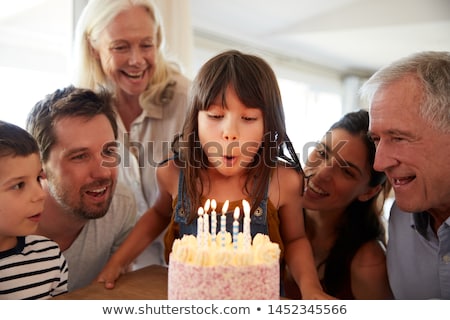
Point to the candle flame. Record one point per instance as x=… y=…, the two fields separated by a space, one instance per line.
x=200 y=211
x=213 y=204
x=207 y=204
x=225 y=207
x=236 y=213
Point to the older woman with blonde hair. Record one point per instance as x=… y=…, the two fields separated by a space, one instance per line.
x=119 y=45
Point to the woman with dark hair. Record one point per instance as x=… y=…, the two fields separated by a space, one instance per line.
x=343 y=203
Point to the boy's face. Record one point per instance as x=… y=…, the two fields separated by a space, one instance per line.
x=21 y=197
x=79 y=172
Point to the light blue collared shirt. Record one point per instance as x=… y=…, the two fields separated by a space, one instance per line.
x=418 y=260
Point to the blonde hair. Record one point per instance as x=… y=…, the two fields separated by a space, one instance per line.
x=96 y=16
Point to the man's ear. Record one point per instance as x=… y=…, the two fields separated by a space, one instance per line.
x=370 y=193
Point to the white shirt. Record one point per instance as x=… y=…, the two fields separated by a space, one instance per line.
x=150 y=138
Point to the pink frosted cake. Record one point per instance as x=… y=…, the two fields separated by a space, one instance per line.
x=222 y=269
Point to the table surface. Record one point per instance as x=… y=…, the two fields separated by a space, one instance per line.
x=149 y=283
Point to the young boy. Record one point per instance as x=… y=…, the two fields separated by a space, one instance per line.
x=31 y=267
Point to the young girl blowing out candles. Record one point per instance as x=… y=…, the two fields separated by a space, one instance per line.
x=233 y=146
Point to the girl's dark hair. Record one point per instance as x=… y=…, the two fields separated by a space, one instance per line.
x=362 y=220
x=256 y=85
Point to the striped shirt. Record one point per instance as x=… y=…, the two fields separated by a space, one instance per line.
x=33 y=269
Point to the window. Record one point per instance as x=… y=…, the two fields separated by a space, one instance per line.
x=309 y=113
x=22 y=88
x=35 y=46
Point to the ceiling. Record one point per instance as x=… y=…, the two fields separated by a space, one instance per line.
x=352 y=36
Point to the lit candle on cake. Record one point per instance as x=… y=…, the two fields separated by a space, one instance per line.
x=206 y=222
x=200 y=225
x=246 y=228
x=213 y=221
x=236 y=227
x=223 y=223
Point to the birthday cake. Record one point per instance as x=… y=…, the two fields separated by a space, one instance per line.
x=223 y=266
